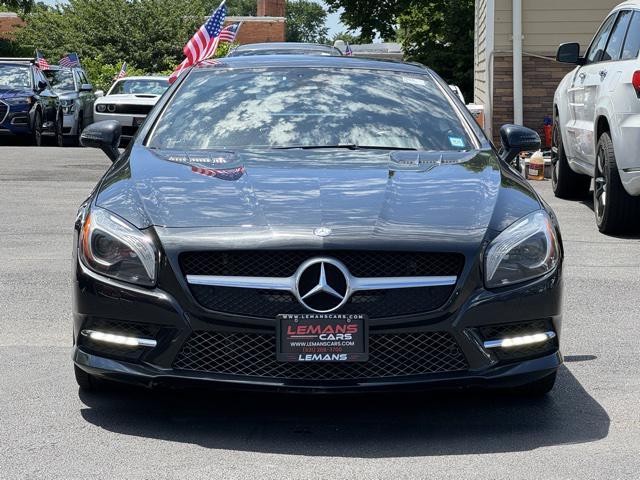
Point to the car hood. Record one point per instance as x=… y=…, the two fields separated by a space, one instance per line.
x=6 y=92
x=130 y=99
x=66 y=94
x=280 y=197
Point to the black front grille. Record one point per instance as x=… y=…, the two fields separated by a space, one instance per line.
x=133 y=109
x=273 y=263
x=254 y=355
x=497 y=332
x=269 y=303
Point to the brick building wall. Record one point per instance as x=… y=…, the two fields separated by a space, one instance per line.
x=259 y=29
x=540 y=80
x=271 y=8
x=8 y=24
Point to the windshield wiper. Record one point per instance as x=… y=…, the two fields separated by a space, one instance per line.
x=348 y=146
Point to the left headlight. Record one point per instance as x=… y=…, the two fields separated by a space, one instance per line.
x=527 y=249
x=68 y=106
x=113 y=247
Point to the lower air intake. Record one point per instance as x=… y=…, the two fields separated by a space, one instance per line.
x=254 y=355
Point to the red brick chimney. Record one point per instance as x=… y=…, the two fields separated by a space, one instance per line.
x=271 y=8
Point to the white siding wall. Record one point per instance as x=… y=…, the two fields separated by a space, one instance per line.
x=548 y=23
x=480 y=57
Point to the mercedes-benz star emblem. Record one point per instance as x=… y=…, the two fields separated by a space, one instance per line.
x=322 y=285
x=322 y=232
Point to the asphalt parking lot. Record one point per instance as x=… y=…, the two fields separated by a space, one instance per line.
x=588 y=428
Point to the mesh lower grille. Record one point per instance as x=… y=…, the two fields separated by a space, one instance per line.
x=272 y=263
x=254 y=355
x=269 y=303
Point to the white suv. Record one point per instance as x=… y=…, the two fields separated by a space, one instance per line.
x=597 y=122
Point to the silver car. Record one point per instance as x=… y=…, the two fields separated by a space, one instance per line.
x=76 y=99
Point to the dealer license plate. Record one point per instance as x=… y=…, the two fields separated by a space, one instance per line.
x=326 y=337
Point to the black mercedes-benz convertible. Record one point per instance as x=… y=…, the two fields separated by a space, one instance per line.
x=319 y=224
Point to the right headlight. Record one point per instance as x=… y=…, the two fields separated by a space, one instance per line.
x=101 y=107
x=527 y=249
x=113 y=247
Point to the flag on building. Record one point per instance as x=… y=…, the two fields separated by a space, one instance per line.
x=41 y=62
x=69 y=61
x=122 y=73
x=348 y=52
x=204 y=43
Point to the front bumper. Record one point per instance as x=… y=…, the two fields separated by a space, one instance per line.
x=129 y=123
x=97 y=298
x=512 y=375
x=17 y=121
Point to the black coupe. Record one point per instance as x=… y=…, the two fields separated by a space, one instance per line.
x=315 y=223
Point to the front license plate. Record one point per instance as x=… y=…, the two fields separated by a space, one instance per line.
x=326 y=337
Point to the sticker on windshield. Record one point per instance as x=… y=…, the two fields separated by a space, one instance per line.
x=414 y=81
x=456 y=142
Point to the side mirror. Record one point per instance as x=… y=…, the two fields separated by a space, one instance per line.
x=517 y=139
x=42 y=85
x=86 y=87
x=99 y=93
x=569 y=53
x=103 y=135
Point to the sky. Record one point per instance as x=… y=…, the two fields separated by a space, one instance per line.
x=333 y=19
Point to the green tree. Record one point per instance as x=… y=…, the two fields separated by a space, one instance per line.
x=346 y=37
x=306 y=22
x=371 y=17
x=20 y=6
x=438 y=33
x=242 y=7
x=147 y=33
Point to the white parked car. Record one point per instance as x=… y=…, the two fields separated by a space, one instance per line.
x=597 y=122
x=129 y=101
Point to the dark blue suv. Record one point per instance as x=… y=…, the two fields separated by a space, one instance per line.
x=28 y=106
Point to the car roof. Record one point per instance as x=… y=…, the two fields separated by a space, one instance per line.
x=311 y=61
x=627 y=4
x=285 y=45
x=145 y=77
x=16 y=62
x=59 y=67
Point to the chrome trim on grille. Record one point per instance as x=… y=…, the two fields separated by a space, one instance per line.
x=288 y=283
x=259 y=283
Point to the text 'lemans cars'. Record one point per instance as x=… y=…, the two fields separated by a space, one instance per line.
x=315 y=224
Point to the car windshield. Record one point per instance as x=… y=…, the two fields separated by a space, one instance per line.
x=142 y=87
x=60 y=79
x=309 y=108
x=14 y=76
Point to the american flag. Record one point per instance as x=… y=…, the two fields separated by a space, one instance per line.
x=228 y=33
x=123 y=71
x=204 y=43
x=348 y=52
x=69 y=61
x=41 y=62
